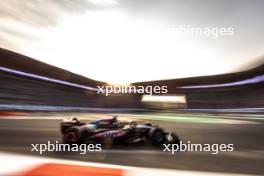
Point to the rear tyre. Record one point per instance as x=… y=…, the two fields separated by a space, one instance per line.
x=73 y=135
x=156 y=136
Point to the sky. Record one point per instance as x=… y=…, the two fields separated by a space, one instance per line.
x=124 y=41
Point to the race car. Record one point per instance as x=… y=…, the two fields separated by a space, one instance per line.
x=112 y=131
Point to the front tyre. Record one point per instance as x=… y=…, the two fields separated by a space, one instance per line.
x=156 y=136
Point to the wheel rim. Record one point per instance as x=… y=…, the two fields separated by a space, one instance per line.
x=71 y=137
x=159 y=137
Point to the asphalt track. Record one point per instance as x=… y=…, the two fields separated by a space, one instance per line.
x=246 y=133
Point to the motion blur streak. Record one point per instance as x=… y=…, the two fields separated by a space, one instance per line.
x=35 y=166
x=254 y=80
x=247 y=158
x=20 y=73
x=164 y=98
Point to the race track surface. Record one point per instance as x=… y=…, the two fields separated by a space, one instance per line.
x=246 y=133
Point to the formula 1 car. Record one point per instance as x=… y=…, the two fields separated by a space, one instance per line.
x=112 y=131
